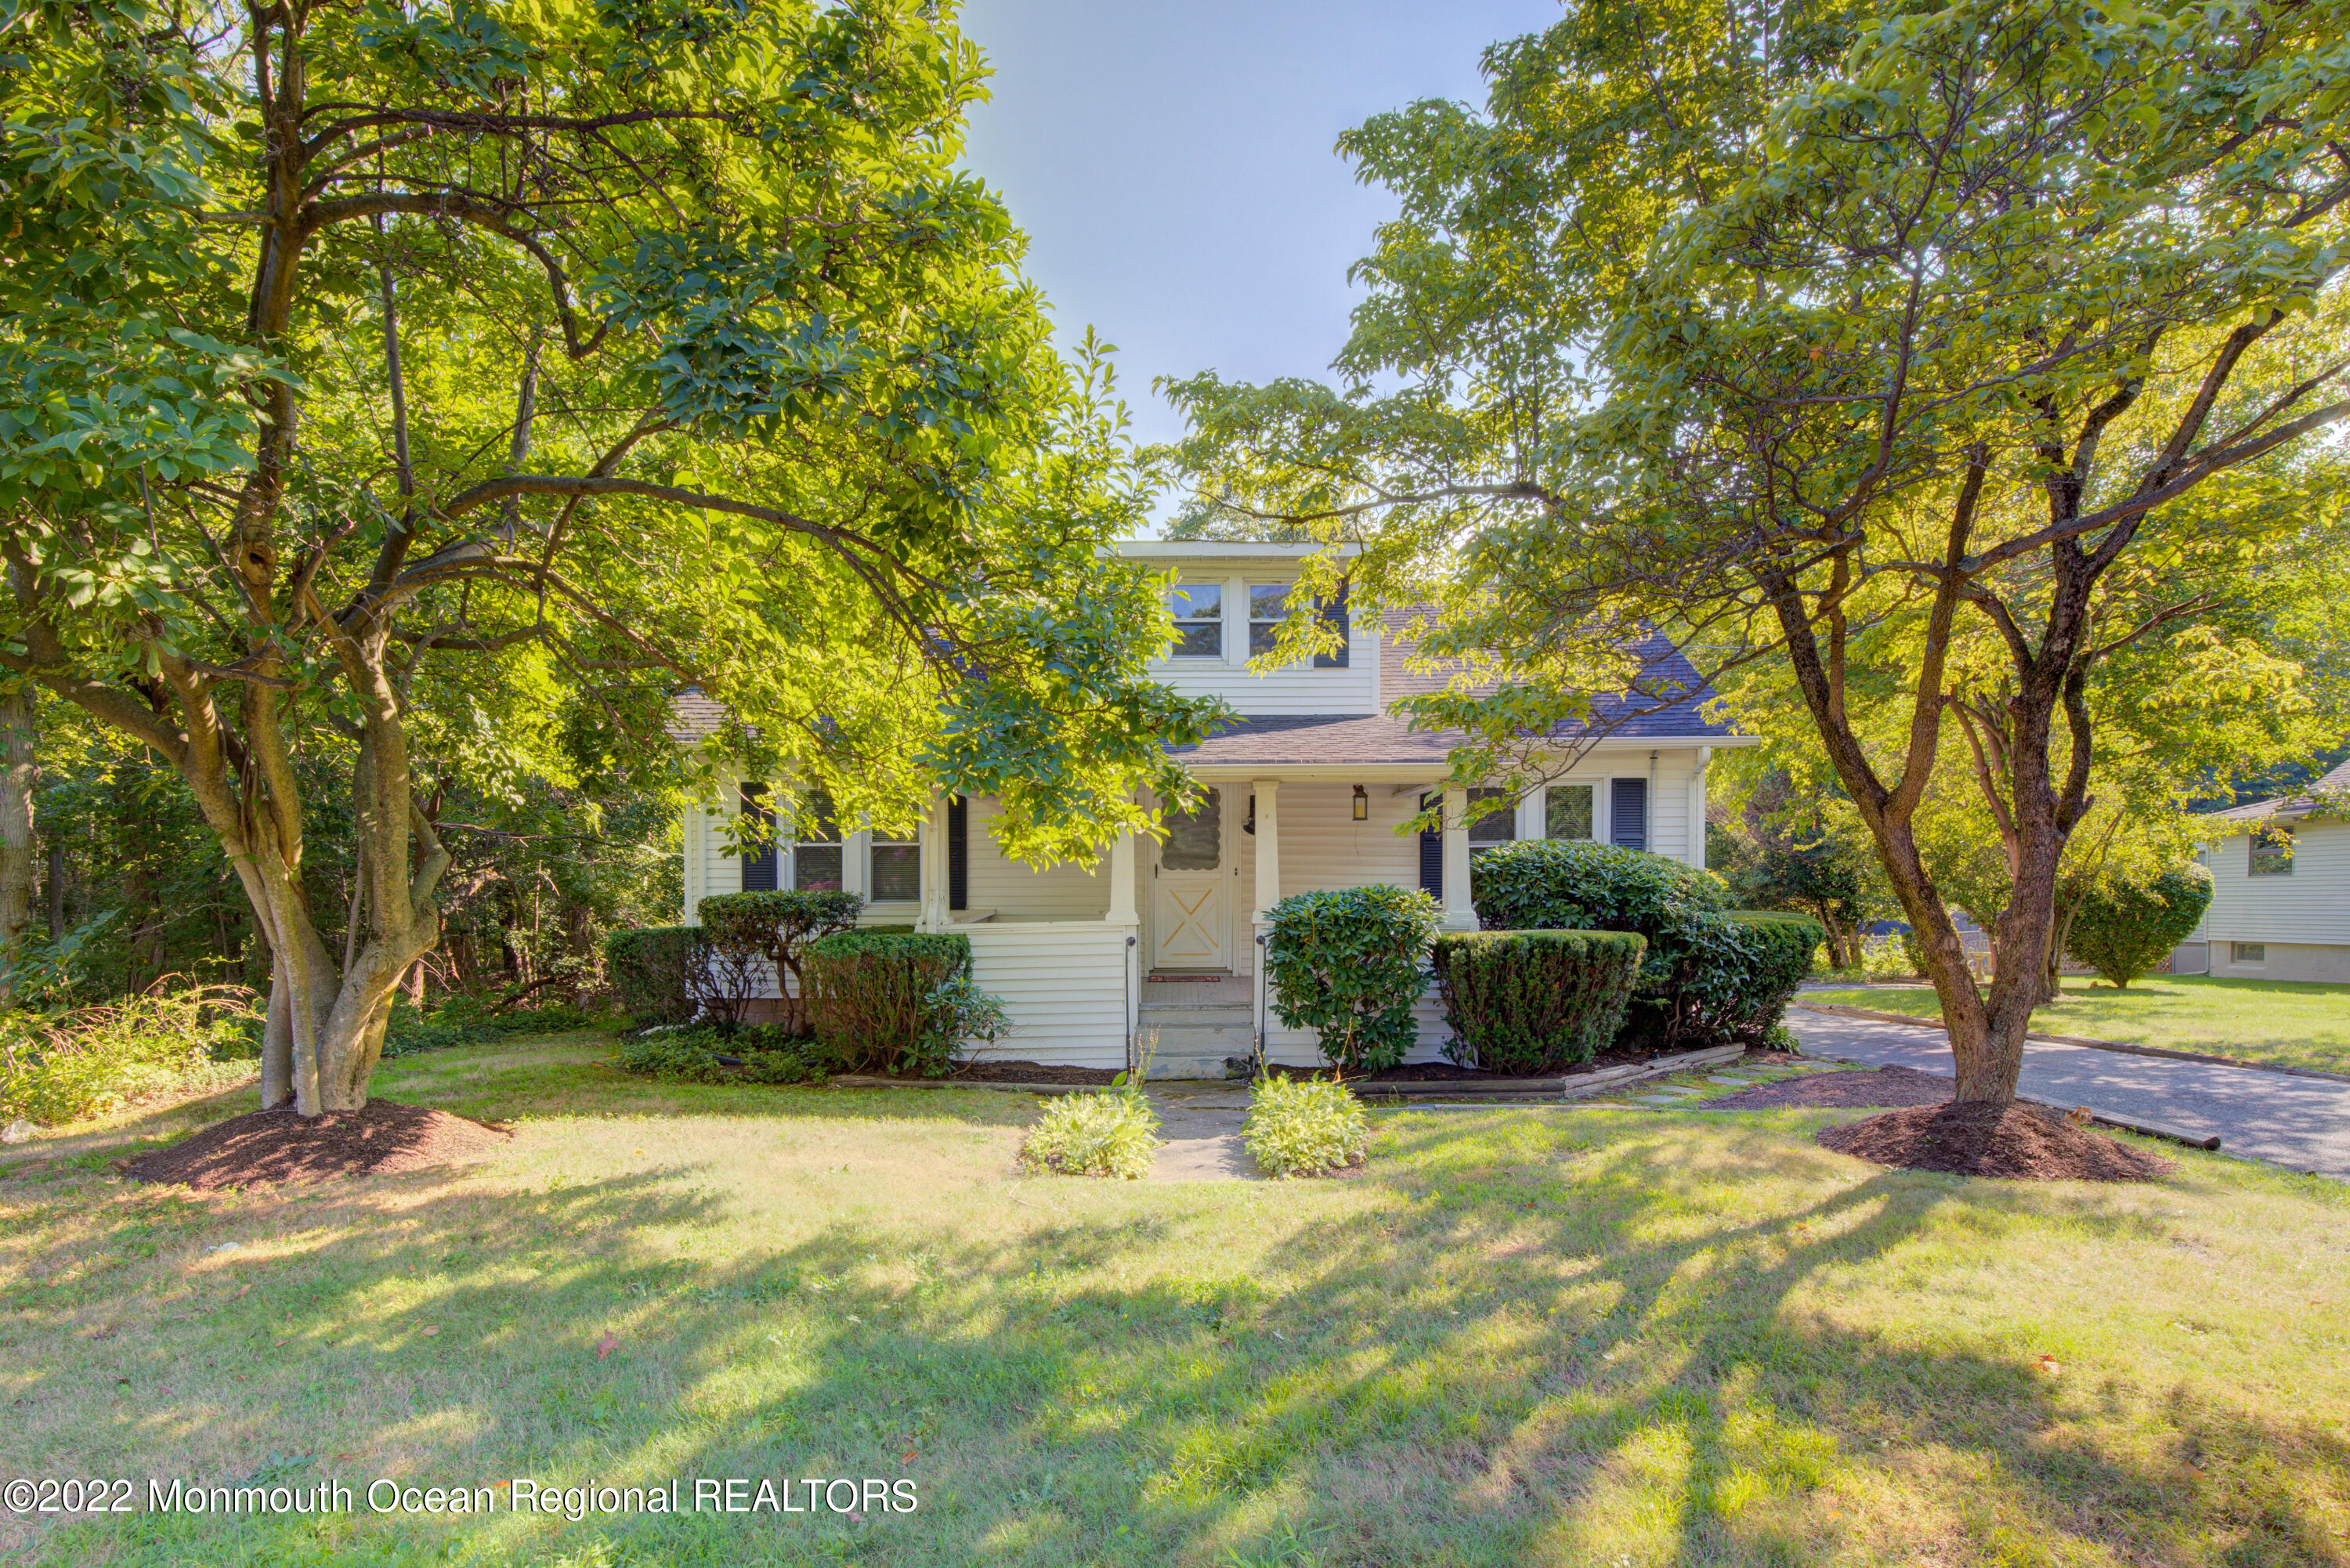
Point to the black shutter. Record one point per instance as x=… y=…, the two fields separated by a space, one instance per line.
x=958 y=853
x=1628 y=813
x=1431 y=859
x=1333 y=614
x=759 y=865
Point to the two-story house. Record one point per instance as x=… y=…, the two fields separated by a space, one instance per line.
x=1311 y=789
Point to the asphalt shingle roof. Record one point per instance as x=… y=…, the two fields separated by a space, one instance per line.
x=2336 y=780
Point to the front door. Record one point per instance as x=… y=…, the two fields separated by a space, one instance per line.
x=1188 y=928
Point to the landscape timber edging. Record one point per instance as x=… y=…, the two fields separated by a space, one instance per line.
x=1838 y=1010
x=1564 y=1088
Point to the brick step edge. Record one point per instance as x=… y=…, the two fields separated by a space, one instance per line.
x=1838 y=1010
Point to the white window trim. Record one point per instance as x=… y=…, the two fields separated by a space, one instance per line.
x=868 y=842
x=1224 y=654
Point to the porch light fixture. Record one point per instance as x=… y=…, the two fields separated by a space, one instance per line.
x=1362 y=805
x=1250 y=825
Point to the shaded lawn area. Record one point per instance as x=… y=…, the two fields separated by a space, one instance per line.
x=2287 y=1024
x=1530 y=1336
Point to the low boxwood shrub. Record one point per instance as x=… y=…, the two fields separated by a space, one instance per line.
x=2126 y=927
x=1710 y=975
x=755 y=937
x=1529 y=1002
x=1348 y=963
x=760 y=1055
x=1300 y=1127
x=650 y=972
x=1093 y=1135
x=896 y=1003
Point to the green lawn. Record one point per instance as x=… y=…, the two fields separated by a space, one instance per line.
x=2290 y=1024
x=1533 y=1336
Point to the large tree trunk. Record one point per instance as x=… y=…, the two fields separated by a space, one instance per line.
x=17 y=848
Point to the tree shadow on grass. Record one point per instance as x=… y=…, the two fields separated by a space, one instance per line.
x=1520 y=1345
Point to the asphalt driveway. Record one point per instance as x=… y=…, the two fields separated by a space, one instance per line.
x=2302 y=1123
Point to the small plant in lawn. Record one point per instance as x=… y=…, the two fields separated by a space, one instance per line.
x=1094 y=1134
x=2125 y=929
x=1304 y=1127
x=1348 y=963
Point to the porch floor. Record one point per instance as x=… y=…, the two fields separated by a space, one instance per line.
x=1197 y=990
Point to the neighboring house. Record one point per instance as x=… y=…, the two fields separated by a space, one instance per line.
x=1157 y=939
x=2280 y=889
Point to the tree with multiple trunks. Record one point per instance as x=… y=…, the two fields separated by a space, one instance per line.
x=1948 y=359
x=356 y=357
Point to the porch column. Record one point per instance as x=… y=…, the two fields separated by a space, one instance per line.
x=935 y=915
x=1123 y=916
x=1268 y=847
x=1122 y=910
x=1460 y=914
x=1696 y=808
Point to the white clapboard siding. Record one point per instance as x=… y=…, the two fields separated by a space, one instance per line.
x=2311 y=905
x=1298 y=689
x=1018 y=892
x=1303 y=1047
x=1063 y=983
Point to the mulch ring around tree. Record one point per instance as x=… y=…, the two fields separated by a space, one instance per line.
x=2019 y=1142
x=1883 y=1086
x=270 y=1148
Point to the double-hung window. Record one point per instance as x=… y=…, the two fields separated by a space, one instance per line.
x=816 y=851
x=1199 y=610
x=2271 y=850
x=1566 y=811
x=895 y=865
x=1269 y=607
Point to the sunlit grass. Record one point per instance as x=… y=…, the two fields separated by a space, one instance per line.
x=2287 y=1023
x=1529 y=1336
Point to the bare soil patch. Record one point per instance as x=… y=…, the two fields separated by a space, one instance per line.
x=2017 y=1142
x=271 y=1147
x=1882 y=1087
x=1028 y=1073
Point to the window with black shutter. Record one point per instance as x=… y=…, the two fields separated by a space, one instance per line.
x=958 y=853
x=1334 y=615
x=759 y=860
x=1628 y=813
x=1431 y=853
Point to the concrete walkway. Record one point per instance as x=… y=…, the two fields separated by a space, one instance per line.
x=1200 y=1123
x=2302 y=1123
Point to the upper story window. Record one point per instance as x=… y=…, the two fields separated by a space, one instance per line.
x=1566 y=811
x=1199 y=610
x=2271 y=851
x=1269 y=607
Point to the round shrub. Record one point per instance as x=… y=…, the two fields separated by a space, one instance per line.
x=1298 y=1127
x=1345 y=962
x=1093 y=1135
x=1736 y=988
x=1527 y=1002
x=896 y=1003
x=2125 y=929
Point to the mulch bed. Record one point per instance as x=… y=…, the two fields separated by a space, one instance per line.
x=1881 y=1087
x=2021 y=1143
x=1028 y=1073
x=269 y=1148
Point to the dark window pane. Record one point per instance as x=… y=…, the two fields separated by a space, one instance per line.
x=815 y=821
x=1193 y=838
x=1200 y=640
x=816 y=867
x=1197 y=601
x=1498 y=827
x=2271 y=852
x=1263 y=635
x=1334 y=615
x=1567 y=812
x=897 y=872
x=1268 y=601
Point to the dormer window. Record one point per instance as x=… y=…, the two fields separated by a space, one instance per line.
x=1199 y=610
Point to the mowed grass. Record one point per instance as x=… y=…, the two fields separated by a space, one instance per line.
x=1529 y=1337
x=2284 y=1023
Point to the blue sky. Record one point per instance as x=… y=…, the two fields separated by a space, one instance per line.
x=1172 y=163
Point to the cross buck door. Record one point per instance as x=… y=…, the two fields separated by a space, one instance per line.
x=1186 y=891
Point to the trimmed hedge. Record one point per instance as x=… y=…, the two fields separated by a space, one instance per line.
x=2125 y=929
x=892 y=1001
x=1529 y=1002
x=1711 y=975
x=650 y=972
x=1345 y=962
x=747 y=930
